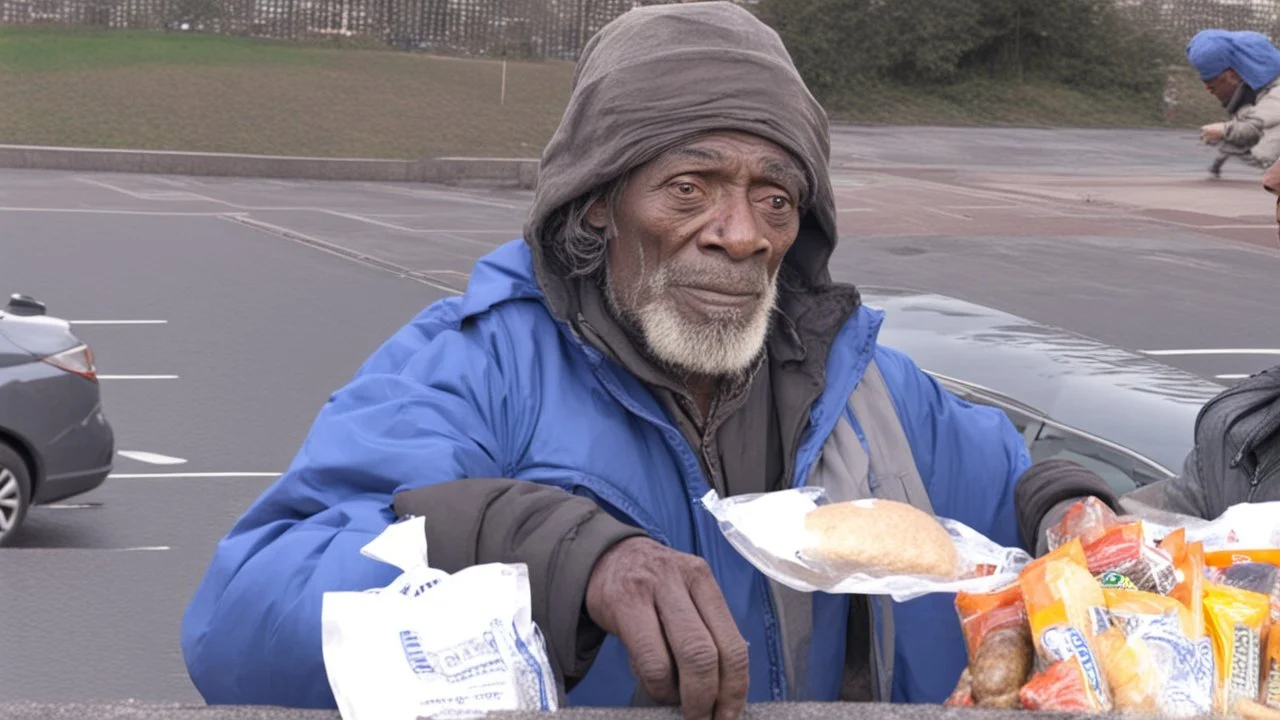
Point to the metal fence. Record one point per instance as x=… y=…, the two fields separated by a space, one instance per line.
x=1180 y=19
x=510 y=28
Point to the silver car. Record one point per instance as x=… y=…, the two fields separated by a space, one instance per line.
x=55 y=441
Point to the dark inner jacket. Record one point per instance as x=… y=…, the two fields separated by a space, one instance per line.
x=655 y=78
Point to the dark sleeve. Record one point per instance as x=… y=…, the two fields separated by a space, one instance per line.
x=559 y=536
x=1184 y=494
x=1046 y=488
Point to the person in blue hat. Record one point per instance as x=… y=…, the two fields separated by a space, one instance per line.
x=1240 y=69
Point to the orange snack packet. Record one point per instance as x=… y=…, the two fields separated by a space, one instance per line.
x=1238 y=622
x=983 y=613
x=1189 y=559
x=1227 y=558
x=1067 y=610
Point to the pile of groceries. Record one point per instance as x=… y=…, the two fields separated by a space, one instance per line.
x=1124 y=614
x=1113 y=620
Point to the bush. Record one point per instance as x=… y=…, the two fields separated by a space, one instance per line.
x=843 y=45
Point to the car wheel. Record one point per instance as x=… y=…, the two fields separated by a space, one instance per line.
x=15 y=493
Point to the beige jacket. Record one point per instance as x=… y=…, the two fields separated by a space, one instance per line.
x=1253 y=132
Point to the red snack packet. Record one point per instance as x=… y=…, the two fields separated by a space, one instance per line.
x=1061 y=687
x=1086 y=520
x=984 y=613
x=1123 y=549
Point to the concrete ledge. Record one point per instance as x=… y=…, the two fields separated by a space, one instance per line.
x=489 y=172
x=766 y=711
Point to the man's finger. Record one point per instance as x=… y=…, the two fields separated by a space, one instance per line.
x=697 y=660
x=735 y=662
x=641 y=633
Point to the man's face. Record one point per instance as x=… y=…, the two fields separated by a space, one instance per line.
x=699 y=235
x=1223 y=87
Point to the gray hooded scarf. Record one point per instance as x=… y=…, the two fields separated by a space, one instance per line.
x=658 y=76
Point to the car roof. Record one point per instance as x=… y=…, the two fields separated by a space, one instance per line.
x=1118 y=395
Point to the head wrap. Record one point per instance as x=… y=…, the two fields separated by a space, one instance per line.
x=1250 y=54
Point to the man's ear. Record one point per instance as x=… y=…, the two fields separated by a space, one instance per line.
x=598 y=214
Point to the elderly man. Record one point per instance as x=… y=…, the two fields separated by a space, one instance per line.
x=1240 y=68
x=666 y=325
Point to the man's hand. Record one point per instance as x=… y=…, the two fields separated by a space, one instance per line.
x=1213 y=133
x=666 y=608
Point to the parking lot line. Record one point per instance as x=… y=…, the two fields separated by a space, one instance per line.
x=137 y=377
x=161 y=476
x=118 y=322
x=1215 y=351
x=151 y=458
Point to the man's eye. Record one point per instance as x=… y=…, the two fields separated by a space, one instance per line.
x=685 y=188
x=778 y=202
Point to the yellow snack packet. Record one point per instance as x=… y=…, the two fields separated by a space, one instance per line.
x=1237 y=621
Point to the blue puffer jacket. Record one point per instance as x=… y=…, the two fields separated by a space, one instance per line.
x=490 y=384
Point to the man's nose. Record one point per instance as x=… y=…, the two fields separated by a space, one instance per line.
x=736 y=231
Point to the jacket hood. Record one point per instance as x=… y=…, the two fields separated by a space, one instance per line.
x=657 y=76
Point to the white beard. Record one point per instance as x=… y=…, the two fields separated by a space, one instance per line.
x=726 y=342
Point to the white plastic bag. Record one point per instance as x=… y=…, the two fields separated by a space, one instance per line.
x=768 y=530
x=432 y=644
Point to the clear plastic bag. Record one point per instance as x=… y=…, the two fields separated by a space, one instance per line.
x=768 y=529
x=434 y=645
x=1243 y=526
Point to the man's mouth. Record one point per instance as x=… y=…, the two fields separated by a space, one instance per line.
x=717 y=297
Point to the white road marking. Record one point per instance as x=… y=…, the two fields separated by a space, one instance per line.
x=338 y=251
x=1215 y=351
x=160 y=476
x=1231 y=376
x=144 y=548
x=109 y=211
x=79 y=506
x=137 y=377
x=151 y=458
x=118 y=322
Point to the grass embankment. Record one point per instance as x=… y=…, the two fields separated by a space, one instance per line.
x=179 y=91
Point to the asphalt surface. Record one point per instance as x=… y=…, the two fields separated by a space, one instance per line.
x=273 y=292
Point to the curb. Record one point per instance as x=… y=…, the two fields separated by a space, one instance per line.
x=519 y=173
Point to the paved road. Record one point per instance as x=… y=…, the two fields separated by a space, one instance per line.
x=273 y=292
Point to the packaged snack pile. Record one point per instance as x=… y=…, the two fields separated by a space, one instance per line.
x=1131 y=617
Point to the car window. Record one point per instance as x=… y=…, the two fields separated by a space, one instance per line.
x=1027 y=425
x=1121 y=471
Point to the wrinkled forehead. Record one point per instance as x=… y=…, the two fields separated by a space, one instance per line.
x=733 y=150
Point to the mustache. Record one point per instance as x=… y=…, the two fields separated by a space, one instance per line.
x=728 y=276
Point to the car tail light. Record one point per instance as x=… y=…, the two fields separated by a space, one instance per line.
x=78 y=360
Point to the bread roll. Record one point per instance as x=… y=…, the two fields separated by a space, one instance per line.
x=881 y=537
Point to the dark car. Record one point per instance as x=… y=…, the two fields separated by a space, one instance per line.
x=55 y=441
x=1120 y=413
